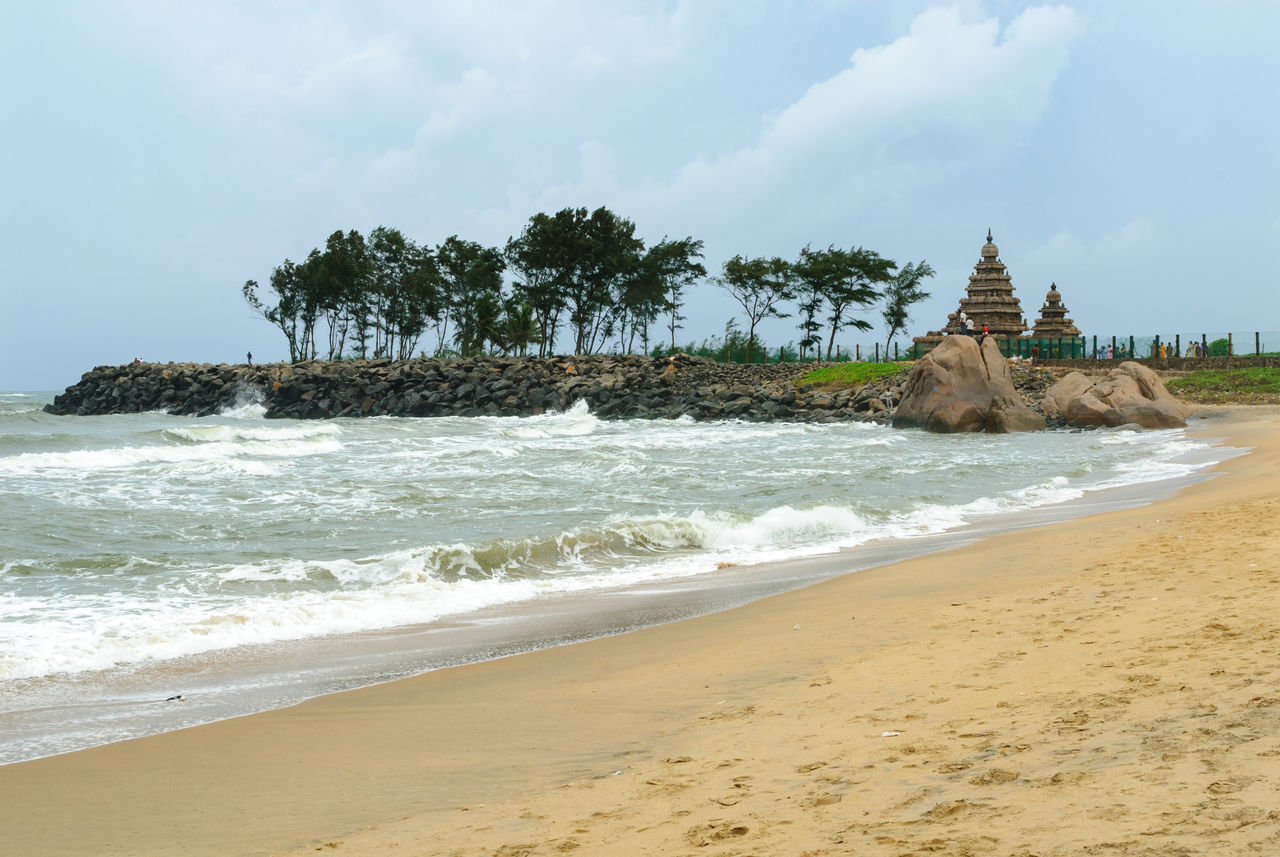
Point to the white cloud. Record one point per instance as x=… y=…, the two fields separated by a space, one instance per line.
x=898 y=117
x=1140 y=237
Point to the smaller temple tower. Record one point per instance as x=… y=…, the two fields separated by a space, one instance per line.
x=1053 y=321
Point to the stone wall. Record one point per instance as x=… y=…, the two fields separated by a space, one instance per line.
x=613 y=386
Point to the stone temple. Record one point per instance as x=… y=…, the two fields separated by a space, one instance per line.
x=989 y=300
x=1053 y=321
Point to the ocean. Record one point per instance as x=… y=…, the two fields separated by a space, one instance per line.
x=160 y=571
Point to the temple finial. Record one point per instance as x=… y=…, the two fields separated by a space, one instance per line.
x=988 y=234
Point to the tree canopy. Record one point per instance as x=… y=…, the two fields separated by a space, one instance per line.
x=581 y=274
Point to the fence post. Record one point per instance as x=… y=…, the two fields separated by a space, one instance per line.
x=1177 y=344
x=1231 y=348
x=895 y=352
x=1132 y=348
x=1257 y=343
x=877 y=352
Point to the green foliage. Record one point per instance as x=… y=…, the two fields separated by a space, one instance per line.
x=851 y=374
x=903 y=291
x=760 y=286
x=837 y=280
x=1220 y=348
x=1225 y=385
x=584 y=270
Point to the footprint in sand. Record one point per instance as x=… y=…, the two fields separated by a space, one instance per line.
x=717 y=830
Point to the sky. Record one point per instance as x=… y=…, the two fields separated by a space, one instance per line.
x=156 y=155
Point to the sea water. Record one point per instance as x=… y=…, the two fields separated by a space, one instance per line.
x=261 y=561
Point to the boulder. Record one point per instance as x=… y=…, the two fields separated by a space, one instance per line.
x=962 y=386
x=1130 y=394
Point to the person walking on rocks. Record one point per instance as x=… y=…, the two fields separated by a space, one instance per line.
x=248 y=358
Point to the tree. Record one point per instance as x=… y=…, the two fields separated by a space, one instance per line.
x=856 y=273
x=286 y=312
x=471 y=280
x=536 y=257
x=517 y=328
x=422 y=300
x=902 y=291
x=577 y=262
x=342 y=281
x=404 y=294
x=759 y=286
x=607 y=255
x=675 y=265
x=815 y=275
x=1220 y=347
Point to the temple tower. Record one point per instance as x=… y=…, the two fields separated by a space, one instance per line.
x=990 y=299
x=1053 y=321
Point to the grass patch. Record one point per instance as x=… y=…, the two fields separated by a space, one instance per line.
x=850 y=374
x=1257 y=384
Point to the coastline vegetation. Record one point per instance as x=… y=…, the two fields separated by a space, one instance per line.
x=577 y=274
x=850 y=374
x=1253 y=385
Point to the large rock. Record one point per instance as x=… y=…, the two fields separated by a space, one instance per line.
x=1130 y=394
x=962 y=386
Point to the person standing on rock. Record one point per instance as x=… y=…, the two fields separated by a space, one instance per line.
x=248 y=358
x=966 y=325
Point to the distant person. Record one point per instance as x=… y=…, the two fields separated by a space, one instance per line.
x=984 y=332
x=966 y=325
x=1108 y=355
x=1035 y=354
x=248 y=358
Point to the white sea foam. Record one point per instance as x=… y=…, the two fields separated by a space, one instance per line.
x=82 y=462
x=158 y=536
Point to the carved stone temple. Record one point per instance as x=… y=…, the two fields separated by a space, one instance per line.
x=1053 y=321
x=989 y=300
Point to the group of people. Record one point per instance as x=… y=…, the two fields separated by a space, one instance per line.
x=968 y=328
x=1158 y=349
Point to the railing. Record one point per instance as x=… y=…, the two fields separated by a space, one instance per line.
x=1099 y=347
x=1185 y=345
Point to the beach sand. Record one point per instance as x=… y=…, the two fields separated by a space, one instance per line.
x=1107 y=685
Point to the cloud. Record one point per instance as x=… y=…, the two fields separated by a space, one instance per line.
x=1140 y=237
x=951 y=92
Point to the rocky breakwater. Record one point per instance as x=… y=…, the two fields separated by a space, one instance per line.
x=612 y=386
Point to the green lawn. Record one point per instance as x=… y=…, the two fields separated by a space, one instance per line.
x=851 y=374
x=1260 y=383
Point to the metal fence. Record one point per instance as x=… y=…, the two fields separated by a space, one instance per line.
x=1178 y=344
x=1102 y=347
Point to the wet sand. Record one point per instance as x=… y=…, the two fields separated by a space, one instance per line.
x=1105 y=685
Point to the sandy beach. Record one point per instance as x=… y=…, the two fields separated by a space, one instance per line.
x=1107 y=685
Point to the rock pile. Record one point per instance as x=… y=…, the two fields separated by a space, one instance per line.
x=613 y=387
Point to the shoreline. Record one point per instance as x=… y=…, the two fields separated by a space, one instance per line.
x=708 y=721
x=60 y=714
